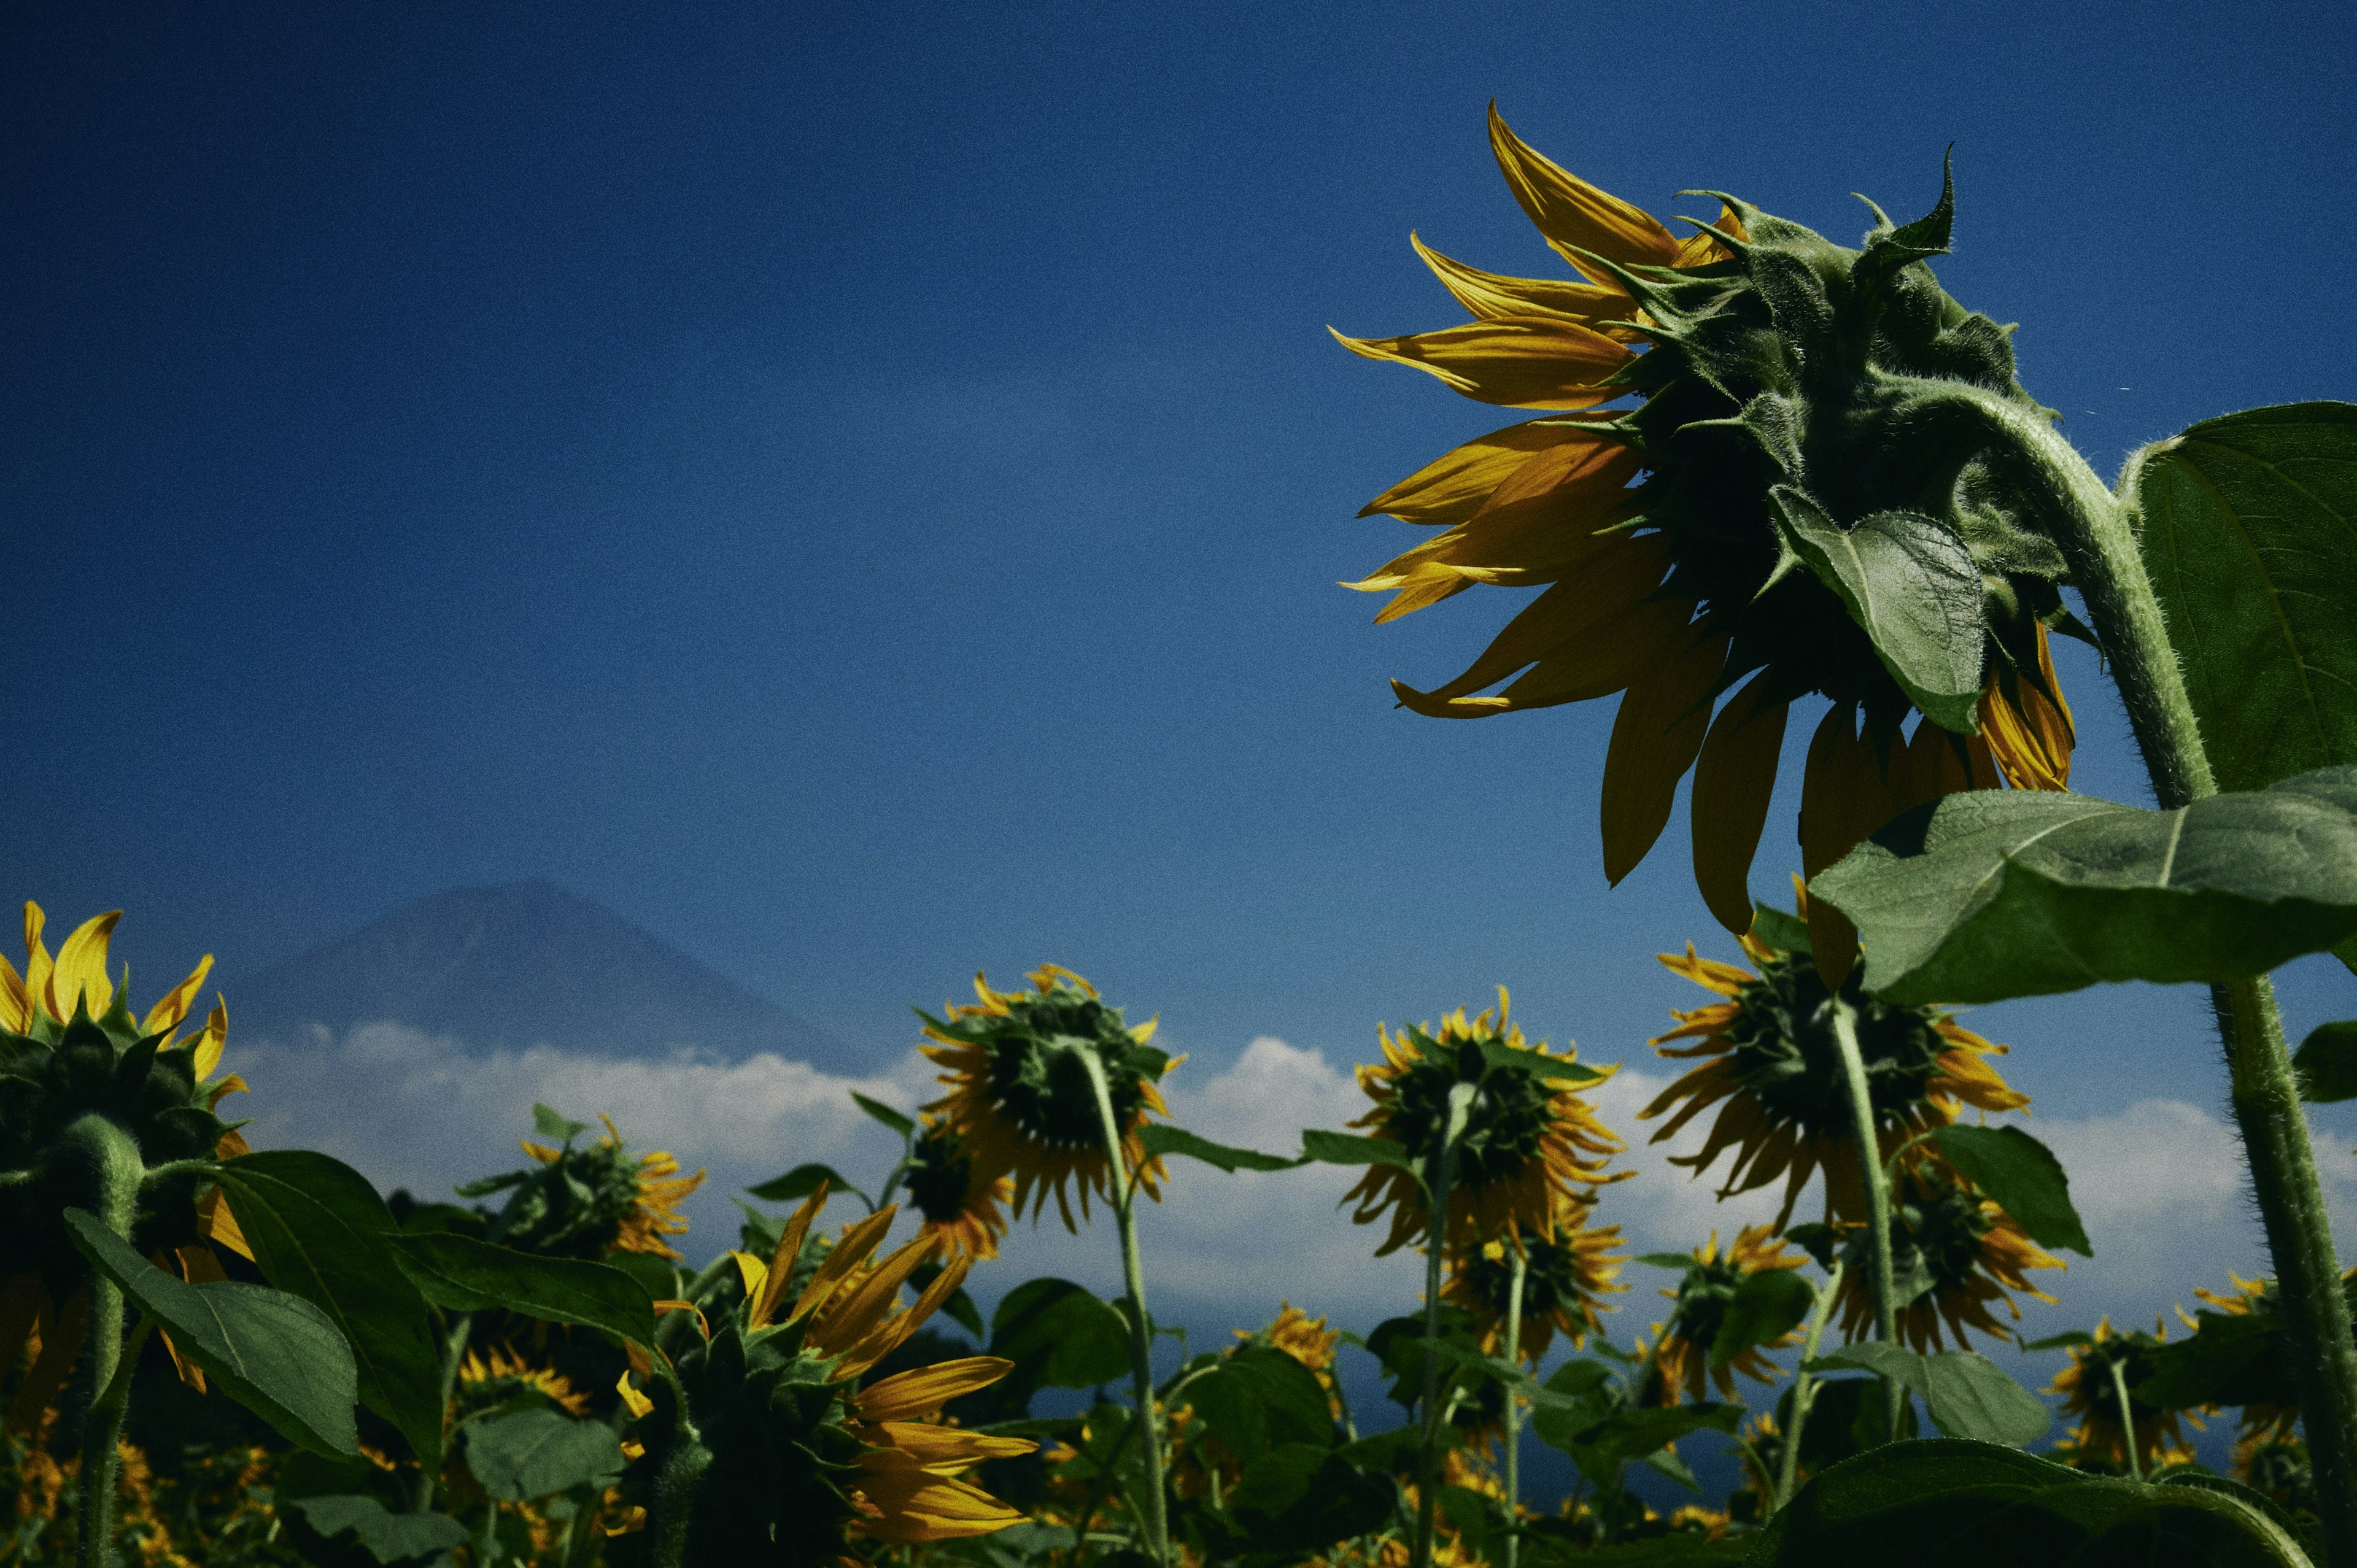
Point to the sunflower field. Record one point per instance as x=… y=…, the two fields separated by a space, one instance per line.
x=1760 y=466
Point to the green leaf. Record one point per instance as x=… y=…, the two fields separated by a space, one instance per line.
x=1911 y=584
x=1258 y=1396
x=1538 y=1064
x=538 y=1452
x=900 y=1123
x=1967 y=1395
x=2249 y=534
x=1681 y=1262
x=1996 y=894
x=1846 y=1416
x=2233 y=1358
x=1344 y=1149
x=547 y=1123
x=317 y=1229
x=1299 y=1497
x=1159 y=1138
x=1955 y=1504
x=1788 y=934
x=462 y=1275
x=1768 y=1304
x=386 y=1536
x=1601 y=1446
x=2024 y=1178
x=2057 y=1341
x=2327 y=1064
x=275 y=1353
x=1059 y=1336
x=800 y=1183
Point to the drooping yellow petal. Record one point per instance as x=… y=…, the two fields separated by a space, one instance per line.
x=754 y=1272
x=15 y=1001
x=931 y=1447
x=926 y=1389
x=2031 y=734
x=1603 y=662
x=80 y=977
x=1575 y=216
x=849 y=1320
x=889 y=1334
x=211 y=1043
x=1734 y=777
x=1616 y=579
x=638 y=1403
x=942 y=1510
x=1453 y=487
x=848 y=1254
x=37 y=957
x=1655 y=737
x=1829 y=788
x=173 y=1005
x=1529 y=361
x=781 y=1269
x=1492 y=297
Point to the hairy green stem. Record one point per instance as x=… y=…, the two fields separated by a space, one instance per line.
x=94 y=1165
x=1515 y=1408
x=1804 y=1384
x=2127 y=1419
x=1460 y=1106
x=683 y=1466
x=2097 y=535
x=1877 y=1196
x=1141 y=1338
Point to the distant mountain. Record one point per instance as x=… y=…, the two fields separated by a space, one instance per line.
x=522 y=964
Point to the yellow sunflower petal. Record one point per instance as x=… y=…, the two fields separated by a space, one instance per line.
x=930 y=1446
x=79 y=976
x=1655 y=738
x=2032 y=735
x=1575 y=216
x=1529 y=361
x=848 y=1254
x=944 y=1510
x=16 y=1000
x=1828 y=788
x=1619 y=578
x=1734 y=778
x=1493 y=298
x=1455 y=485
x=173 y=1005
x=927 y=1389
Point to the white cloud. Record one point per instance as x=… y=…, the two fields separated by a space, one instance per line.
x=2159 y=1182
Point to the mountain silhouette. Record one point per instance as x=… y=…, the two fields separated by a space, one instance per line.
x=522 y=964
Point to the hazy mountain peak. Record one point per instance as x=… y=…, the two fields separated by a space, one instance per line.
x=519 y=964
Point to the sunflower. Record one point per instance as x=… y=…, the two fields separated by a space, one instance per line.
x=1773 y=1059
x=1682 y=1353
x=2091 y=1397
x=960 y=1205
x=1021 y=1101
x=1776 y=373
x=1565 y=1281
x=490 y=1376
x=2269 y=1420
x=2278 y=1468
x=1532 y=1149
x=590 y=1202
x=1972 y=1252
x=806 y=1461
x=1199 y=1460
x=68 y=1039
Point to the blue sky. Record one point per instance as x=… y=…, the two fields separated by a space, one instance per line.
x=858 y=489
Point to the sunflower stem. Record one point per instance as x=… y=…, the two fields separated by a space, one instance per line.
x=454 y=1345
x=1141 y=1336
x=2096 y=533
x=2127 y=1420
x=1514 y=1407
x=1877 y=1196
x=95 y=1163
x=1804 y=1384
x=1460 y=1108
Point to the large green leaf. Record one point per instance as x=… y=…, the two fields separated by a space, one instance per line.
x=2024 y=1178
x=1059 y=1336
x=1768 y=1304
x=1945 y=1503
x=275 y=1353
x=462 y=1275
x=2249 y=533
x=1350 y=1149
x=538 y=1452
x=1257 y=1396
x=1910 y=584
x=317 y=1229
x=1299 y=1497
x=2327 y=1063
x=1967 y=1394
x=1159 y=1139
x=800 y=1183
x=387 y=1537
x=1995 y=894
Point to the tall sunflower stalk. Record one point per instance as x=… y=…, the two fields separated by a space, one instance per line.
x=1049 y=1087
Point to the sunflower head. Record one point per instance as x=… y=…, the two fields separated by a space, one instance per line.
x=1770 y=1055
x=2091 y=1397
x=1531 y=1148
x=805 y=1462
x=960 y=1205
x=2279 y=1469
x=82 y=1079
x=496 y=1377
x=1806 y=413
x=1699 y=1306
x=1021 y=1100
x=1565 y=1281
x=1965 y=1254
x=589 y=1201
